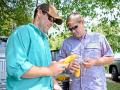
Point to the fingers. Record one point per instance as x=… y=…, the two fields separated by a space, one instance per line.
x=74 y=66
x=57 y=68
x=89 y=63
x=63 y=65
x=61 y=60
x=72 y=71
x=86 y=64
x=53 y=61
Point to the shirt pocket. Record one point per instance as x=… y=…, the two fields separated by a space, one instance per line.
x=92 y=50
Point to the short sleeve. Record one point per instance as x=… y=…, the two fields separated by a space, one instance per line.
x=106 y=48
x=62 y=52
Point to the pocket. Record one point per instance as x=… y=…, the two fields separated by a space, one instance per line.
x=92 y=52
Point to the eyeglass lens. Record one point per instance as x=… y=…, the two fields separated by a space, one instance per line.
x=50 y=18
x=73 y=28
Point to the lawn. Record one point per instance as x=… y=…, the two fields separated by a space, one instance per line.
x=113 y=85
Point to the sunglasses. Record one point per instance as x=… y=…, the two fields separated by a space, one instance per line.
x=73 y=28
x=50 y=18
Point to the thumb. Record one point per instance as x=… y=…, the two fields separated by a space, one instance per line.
x=61 y=61
x=53 y=61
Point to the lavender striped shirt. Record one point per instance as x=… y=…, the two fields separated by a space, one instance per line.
x=92 y=45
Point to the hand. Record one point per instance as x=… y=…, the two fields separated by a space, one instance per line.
x=56 y=86
x=89 y=62
x=56 y=68
x=73 y=66
x=61 y=61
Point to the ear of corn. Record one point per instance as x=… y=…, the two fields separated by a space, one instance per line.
x=77 y=73
x=69 y=59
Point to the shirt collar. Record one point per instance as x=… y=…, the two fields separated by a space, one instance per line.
x=38 y=30
x=82 y=37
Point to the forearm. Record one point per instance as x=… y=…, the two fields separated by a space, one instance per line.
x=104 y=60
x=36 y=71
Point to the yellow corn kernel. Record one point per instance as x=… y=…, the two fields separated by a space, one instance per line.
x=77 y=73
x=69 y=59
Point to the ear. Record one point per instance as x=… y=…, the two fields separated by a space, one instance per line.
x=39 y=13
x=82 y=21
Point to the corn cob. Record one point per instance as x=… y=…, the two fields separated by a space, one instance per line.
x=69 y=59
x=77 y=73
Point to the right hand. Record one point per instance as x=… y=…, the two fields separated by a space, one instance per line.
x=73 y=66
x=89 y=62
x=56 y=68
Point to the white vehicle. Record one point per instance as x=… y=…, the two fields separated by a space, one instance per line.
x=2 y=63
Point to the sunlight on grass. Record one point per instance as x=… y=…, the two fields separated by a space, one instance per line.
x=113 y=85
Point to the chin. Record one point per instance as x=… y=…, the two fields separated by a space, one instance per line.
x=77 y=36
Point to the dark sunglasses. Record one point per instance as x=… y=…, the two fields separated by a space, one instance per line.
x=50 y=18
x=73 y=28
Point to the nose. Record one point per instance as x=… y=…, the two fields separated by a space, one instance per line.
x=73 y=31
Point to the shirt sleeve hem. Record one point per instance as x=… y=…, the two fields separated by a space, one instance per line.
x=24 y=68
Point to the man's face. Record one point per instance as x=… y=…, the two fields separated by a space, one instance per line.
x=76 y=28
x=46 y=22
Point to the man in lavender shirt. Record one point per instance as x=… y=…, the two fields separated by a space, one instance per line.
x=93 y=52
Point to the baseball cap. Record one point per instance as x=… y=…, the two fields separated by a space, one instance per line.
x=52 y=11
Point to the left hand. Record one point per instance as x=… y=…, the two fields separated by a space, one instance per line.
x=89 y=62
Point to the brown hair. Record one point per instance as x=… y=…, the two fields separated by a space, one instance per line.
x=76 y=16
x=50 y=10
x=44 y=7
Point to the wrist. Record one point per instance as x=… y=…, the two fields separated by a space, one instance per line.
x=96 y=62
x=50 y=71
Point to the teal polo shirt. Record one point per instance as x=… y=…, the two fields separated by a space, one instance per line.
x=27 y=46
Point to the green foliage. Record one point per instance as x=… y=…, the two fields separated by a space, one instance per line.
x=87 y=8
x=113 y=85
x=112 y=33
x=106 y=68
x=14 y=13
x=55 y=42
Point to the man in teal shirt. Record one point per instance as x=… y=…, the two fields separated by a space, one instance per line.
x=29 y=65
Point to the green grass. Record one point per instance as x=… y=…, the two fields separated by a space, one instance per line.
x=113 y=85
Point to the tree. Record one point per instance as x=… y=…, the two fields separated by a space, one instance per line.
x=112 y=32
x=108 y=25
x=14 y=13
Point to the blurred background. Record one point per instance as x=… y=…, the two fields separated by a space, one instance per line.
x=100 y=16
